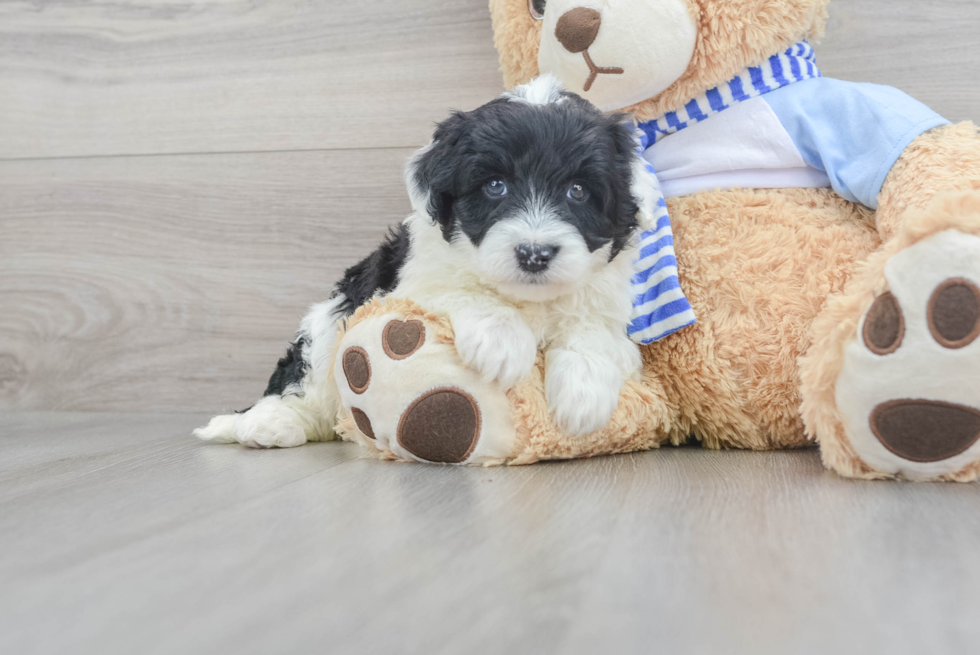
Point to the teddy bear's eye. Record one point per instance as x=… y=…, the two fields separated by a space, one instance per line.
x=536 y=7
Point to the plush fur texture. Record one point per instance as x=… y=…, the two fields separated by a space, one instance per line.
x=944 y=159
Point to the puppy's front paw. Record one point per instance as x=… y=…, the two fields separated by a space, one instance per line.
x=582 y=390
x=496 y=343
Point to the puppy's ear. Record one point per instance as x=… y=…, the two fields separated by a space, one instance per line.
x=632 y=196
x=644 y=188
x=431 y=173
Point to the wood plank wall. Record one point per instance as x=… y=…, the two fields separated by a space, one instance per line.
x=179 y=180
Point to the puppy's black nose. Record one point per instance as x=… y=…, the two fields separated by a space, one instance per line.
x=534 y=258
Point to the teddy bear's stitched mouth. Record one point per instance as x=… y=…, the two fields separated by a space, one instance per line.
x=594 y=70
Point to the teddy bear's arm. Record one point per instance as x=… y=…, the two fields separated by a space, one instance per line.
x=887 y=369
x=853 y=132
x=946 y=158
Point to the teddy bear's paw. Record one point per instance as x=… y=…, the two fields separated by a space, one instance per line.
x=411 y=397
x=909 y=390
x=582 y=391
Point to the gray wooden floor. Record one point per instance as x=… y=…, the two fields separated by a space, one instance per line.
x=121 y=535
x=178 y=181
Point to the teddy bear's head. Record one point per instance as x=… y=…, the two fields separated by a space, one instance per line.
x=645 y=56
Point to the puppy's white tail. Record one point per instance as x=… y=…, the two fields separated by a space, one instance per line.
x=220 y=429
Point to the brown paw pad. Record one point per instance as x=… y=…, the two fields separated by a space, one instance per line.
x=884 y=326
x=925 y=430
x=357 y=369
x=363 y=422
x=954 y=313
x=441 y=426
x=400 y=339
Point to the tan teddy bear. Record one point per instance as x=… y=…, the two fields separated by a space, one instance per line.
x=826 y=236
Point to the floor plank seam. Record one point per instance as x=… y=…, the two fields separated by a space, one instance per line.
x=216 y=153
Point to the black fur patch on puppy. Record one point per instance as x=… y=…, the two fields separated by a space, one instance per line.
x=377 y=273
x=290 y=369
x=539 y=150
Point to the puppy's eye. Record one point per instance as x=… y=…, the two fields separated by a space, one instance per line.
x=578 y=193
x=495 y=188
x=536 y=7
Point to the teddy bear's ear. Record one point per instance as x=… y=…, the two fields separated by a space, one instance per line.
x=516 y=35
x=732 y=35
x=430 y=173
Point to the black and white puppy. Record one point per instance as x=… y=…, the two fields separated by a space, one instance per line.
x=525 y=222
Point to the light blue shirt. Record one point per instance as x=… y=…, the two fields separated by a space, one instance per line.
x=854 y=132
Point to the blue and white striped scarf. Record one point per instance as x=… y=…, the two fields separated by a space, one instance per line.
x=660 y=307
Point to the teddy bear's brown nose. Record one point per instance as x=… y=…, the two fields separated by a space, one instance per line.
x=577 y=28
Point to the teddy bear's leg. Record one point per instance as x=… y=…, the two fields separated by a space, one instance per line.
x=406 y=394
x=909 y=388
x=891 y=382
